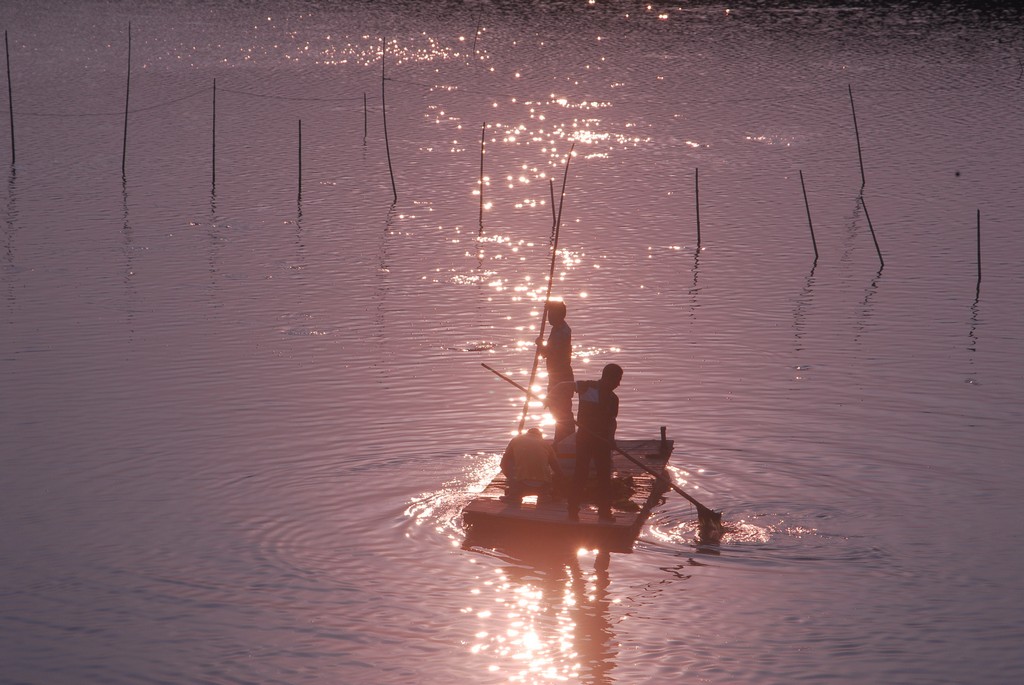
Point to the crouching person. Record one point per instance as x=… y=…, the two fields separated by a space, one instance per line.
x=530 y=467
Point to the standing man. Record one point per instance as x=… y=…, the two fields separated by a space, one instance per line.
x=598 y=411
x=557 y=354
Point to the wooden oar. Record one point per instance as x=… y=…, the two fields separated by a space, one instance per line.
x=551 y=280
x=710 y=521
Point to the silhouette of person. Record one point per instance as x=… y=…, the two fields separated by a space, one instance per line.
x=557 y=354
x=598 y=411
x=593 y=635
x=530 y=467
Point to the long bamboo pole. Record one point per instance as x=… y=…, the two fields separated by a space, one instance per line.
x=551 y=280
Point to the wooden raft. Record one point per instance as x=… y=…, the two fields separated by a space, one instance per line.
x=492 y=523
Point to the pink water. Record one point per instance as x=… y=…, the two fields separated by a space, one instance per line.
x=239 y=426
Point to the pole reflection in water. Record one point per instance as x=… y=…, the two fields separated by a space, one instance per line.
x=546 y=615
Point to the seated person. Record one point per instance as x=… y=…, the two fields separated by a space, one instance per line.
x=530 y=466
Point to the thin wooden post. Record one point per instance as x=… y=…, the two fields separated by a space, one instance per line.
x=476 y=34
x=384 y=114
x=483 y=133
x=808 y=207
x=127 y=93
x=213 y=139
x=979 y=251
x=696 y=196
x=881 y=262
x=856 y=132
x=10 y=96
x=300 y=159
x=554 y=219
x=364 y=119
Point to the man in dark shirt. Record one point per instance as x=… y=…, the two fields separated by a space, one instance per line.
x=598 y=411
x=557 y=354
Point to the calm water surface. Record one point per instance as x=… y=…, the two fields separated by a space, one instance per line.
x=240 y=416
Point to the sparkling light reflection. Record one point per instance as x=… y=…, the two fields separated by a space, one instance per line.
x=442 y=508
x=546 y=619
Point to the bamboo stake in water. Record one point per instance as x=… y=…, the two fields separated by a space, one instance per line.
x=979 y=251
x=856 y=132
x=554 y=219
x=10 y=96
x=300 y=159
x=384 y=113
x=696 y=195
x=364 y=118
x=127 y=92
x=213 y=139
x=476 y=34
x=483 y=133
x=881 y=262
x=808 y=207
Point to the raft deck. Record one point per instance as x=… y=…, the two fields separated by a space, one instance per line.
x=492 y=523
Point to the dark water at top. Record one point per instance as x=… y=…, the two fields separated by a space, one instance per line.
x=240 y=418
